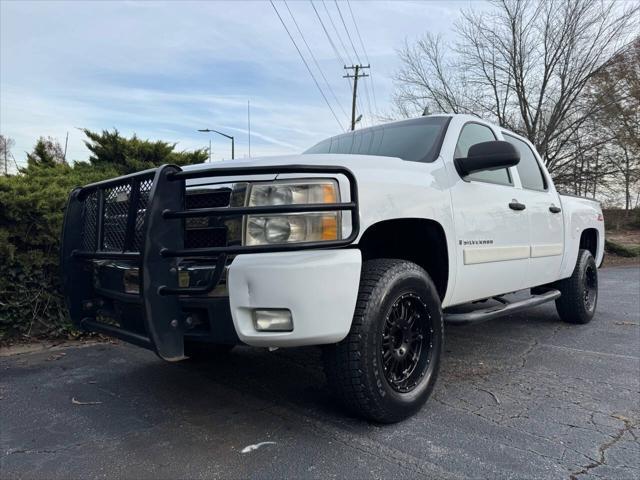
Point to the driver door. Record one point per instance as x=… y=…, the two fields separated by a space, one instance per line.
x=492 y=234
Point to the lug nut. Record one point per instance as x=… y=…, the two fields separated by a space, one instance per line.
x=174 y=323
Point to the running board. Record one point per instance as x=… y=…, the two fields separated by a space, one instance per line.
x=500 y=310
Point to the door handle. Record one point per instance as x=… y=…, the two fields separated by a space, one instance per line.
x=515 y=205
x=554 y=209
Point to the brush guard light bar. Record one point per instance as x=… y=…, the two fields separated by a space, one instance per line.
x=139 y=219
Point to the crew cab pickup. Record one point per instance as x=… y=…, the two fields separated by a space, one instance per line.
x=364 y=244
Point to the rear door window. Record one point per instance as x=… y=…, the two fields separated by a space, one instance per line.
x=529 y=169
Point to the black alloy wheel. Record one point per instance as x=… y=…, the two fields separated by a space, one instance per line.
x=406 y=342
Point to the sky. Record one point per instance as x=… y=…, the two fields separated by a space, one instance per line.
x=163 y=70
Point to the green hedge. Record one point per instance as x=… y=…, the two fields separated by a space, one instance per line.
x=621 y=250
x=31 y=211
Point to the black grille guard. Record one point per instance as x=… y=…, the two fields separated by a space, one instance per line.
x=153 y=240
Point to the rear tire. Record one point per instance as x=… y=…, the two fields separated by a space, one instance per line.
x=579 y=298
x=386 y=367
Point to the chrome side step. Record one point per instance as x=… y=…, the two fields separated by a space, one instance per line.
x=500 y=310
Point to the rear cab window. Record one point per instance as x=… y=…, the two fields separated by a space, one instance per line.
x=415 y=140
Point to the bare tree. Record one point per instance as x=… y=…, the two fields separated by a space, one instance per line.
x=6 y=144
x=523 y=64
x=616 y=90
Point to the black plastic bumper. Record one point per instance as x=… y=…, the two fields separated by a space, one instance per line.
x=151 y=209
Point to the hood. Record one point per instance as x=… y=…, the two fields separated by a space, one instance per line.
x=352 y=162
x=334 y=159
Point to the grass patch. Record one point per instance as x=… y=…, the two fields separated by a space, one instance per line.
x=622 y=250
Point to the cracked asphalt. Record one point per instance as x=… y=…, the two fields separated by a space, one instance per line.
x=525 y=396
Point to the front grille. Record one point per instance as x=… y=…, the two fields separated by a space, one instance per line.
x=204 y=232
x=208 y=198
x=205 y=237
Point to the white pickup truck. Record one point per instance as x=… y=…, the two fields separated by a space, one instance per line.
x=364 y=244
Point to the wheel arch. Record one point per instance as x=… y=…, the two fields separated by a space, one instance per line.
x=589 y=241
x=418 y=240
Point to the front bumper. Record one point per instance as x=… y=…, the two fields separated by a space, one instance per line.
x=149 y=210
x=320 y=289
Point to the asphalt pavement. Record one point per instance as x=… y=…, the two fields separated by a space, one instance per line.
x=524 y=396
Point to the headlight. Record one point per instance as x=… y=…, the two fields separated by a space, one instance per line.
x=295 y=227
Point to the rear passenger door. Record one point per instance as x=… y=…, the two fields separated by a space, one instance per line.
x=546 y=235
x=492 y=237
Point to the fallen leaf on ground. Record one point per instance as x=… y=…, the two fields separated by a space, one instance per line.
x=250 y=448
x=56 y=356
x=495 y=397
x=619 y=416
x=78 y=402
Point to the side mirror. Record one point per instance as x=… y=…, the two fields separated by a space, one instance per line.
x=492 y=155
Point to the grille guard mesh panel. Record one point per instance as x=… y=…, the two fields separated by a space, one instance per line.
x=116 y=210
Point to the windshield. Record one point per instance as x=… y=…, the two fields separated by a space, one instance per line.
x=415 y=140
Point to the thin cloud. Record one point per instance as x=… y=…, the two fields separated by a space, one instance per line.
x=165 y=69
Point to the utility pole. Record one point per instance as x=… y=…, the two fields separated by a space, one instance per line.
x=66 y=142
x=355 y=77
x=249 y=123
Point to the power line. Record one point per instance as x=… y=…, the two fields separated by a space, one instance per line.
x=326 y=32
x=364 y=121
x=313 y=57
x=366 y=90
x=333 y=45
x=346 y=51
x=305 y=63
x=366 y=56
x=366 y=94
x=335 y=30
x=347 y=30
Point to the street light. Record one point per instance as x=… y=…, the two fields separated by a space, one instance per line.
x=224 y=135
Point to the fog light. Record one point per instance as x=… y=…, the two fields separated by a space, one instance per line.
x=272 y=320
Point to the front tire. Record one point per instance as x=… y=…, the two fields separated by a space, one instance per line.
x=579 y=298
x=386 y=367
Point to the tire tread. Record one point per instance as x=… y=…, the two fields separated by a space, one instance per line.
x=570 y=305
x=343 y=361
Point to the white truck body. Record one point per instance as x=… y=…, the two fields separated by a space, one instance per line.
x=364 y=244
x=492 y=249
